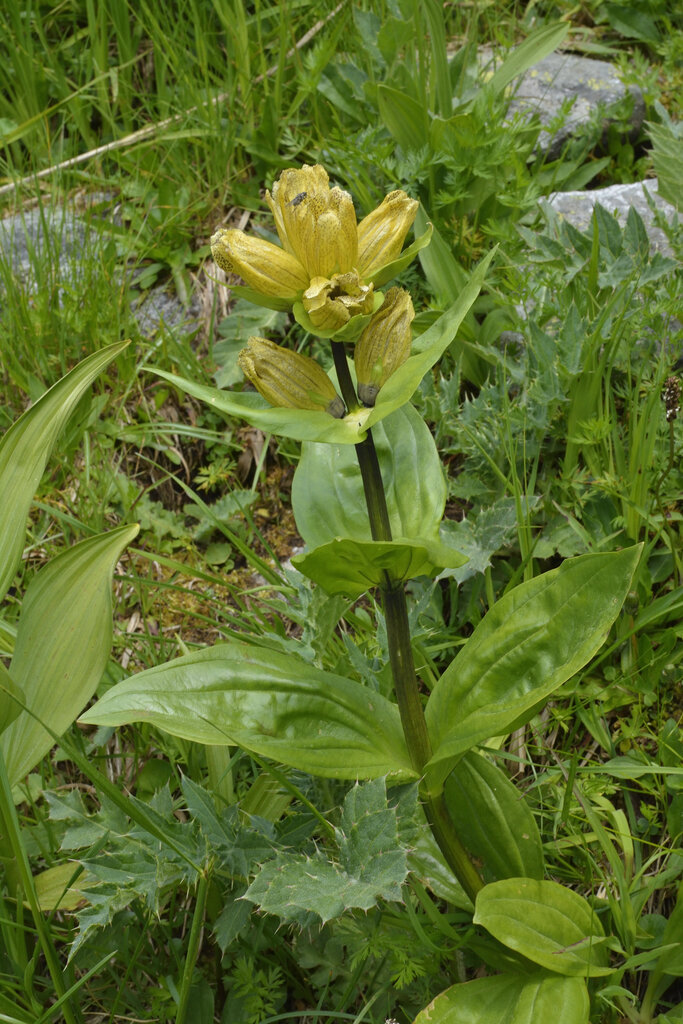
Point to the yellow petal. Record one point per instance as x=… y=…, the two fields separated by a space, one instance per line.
x=315 y=223
x=330 y=303
x=263 y=266
x=381 y=234
x=290 y=189
x=288 y=379
x=324 y=312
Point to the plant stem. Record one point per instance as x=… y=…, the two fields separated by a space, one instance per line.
x=192 y=948
x=380 y=527
x=400 y=648
x=403 y=671
x=346 y=387
x=456 y=855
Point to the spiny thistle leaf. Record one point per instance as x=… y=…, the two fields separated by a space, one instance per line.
x=372 y=862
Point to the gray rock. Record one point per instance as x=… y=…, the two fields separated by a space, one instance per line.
x=577 y=208
x=161 y=309
x=38 y=234
x=61 y=238
x=590 y=88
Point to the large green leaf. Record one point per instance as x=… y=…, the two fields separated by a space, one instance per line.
x=405 y=118
x=300 y=424
x=305 y=425
x=26 y=447
x=11 y=698
x=428 y=864
x=327 y=491
x=346 y=566
x=273 y=704
x=534 y=639
x=510 y=999
x=63 y=644
x=547 y=923
x=445 y=275
x=493 y=820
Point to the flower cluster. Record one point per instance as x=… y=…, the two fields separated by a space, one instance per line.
x=671 y=396
x=330 y=264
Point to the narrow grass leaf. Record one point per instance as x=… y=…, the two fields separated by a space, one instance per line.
x=537 y=46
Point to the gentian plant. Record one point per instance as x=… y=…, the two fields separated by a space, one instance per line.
x=368 y=497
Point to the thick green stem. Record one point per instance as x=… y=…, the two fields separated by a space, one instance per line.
x=453 y=850
x=375 y=498
x=346 y=387
x=400 y=648
x=403 y=671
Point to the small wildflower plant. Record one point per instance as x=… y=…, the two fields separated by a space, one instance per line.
x=369 y=497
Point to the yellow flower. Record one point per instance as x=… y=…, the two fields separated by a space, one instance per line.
x=288 y=379
x=327 y=261
x=384 y=344
x=330 y=303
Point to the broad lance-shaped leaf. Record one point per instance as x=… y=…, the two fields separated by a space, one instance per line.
x=493 y=820
x=511 y=999
x=273 y=704
x=351 y=567
x=11 y=698
x=532 y=640
x=405 y=118
x=305 y=425
x=547 y=923
x=63 y=644
x=26 y=447
x=329 y=506
x=328 y=499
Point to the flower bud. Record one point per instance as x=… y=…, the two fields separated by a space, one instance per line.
x=289 y=379
x=263 y=266
x=384 y=344
x=381 y=234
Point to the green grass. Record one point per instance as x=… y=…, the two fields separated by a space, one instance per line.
x=173 y=118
